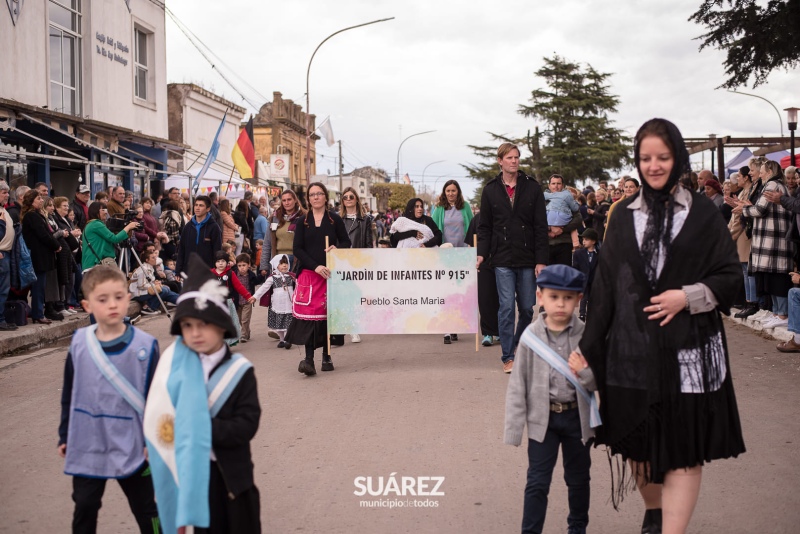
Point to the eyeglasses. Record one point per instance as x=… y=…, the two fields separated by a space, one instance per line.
x=349 y=197
x=313 y=195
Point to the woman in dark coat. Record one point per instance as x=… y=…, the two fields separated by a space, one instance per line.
x=655 y=338
x=43 y=247
x=70 y=246
x=359 y=228
x=488 y=299
x=415 y=211
x=309 y=325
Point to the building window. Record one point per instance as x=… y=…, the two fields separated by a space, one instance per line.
x=65 y=53
x=141 y=63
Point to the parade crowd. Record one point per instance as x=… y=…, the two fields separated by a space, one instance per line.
x=629 y=281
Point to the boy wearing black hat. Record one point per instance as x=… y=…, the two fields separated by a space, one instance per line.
x=585 y=260
x=203 y=405
x=551 y=388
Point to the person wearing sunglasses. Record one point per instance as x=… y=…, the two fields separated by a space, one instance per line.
x=358 y=224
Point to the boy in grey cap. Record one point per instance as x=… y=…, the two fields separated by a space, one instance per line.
x=551 y=389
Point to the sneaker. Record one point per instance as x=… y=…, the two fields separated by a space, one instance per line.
x=7 y=327
x=327 y=364
x=287 y=346
x=508 y=366
x=768 y=316
x=243 y=340
x=487 y=341
x=746 y=312
x=355 y=338
x=776 y=322
x=273 y=335
x=454 y=337
x=760 y=314
x=281 y=344
x=148 y=311
x=307 y=367
x=446 y=340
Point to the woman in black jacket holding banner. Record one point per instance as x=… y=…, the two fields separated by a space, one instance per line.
x=309 y=326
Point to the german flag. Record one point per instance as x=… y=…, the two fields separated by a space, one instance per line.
x=244 y=152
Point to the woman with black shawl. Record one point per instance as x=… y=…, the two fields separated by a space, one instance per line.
x=415 y=213
x=655 y=339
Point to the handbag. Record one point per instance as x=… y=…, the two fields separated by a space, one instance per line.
x=111 y=262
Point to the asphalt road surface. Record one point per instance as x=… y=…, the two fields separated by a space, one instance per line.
x=407 y=406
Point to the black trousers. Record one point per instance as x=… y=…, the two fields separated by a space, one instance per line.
x=87 y=493
x=241 y=515
x=488 y=302
x=561 y=254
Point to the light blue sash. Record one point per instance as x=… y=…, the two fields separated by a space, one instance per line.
x=131 y=395
x=224 y=381
x=558 y=363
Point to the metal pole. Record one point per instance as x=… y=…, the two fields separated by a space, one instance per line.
x=426 y=168
x=765 y=100
x=341 y=167
x=308 y=108
x=397 y=173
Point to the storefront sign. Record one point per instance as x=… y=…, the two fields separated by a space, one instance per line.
x=114 y=48
x=403 y=291
x=279 y=165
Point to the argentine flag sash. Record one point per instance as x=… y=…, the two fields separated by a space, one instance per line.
x=177 y=430
x=224 y=380
x=558 y=363
x=131 y=395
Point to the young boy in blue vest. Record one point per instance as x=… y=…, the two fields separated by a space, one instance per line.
x=201 y=414
x=108 y=371
x=551 y=389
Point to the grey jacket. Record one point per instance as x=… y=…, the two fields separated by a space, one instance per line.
x=528 y=393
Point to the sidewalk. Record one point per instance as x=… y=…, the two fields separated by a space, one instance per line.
x=780 y=333
x=38 y=335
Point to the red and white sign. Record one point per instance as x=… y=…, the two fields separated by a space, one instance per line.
x=279 y=165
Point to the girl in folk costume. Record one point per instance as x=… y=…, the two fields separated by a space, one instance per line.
x=655 y=339
x=309 y=306
x=281 y=284
x=225 y=276
x=202 y=412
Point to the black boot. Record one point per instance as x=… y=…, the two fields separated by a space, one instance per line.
x=307 y=367
x=50 y=312
x=750 y=309
x=652 y=521
x=327 y=363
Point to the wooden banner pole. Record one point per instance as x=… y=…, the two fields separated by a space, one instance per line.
x=478 y=333
x=327 y=261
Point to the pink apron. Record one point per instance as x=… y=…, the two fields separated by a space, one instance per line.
x=310 y=301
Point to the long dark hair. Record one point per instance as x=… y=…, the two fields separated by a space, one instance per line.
x=409 y=213
x=27 y=203
x=280 y=212
x=359 y=207
x=94 y=210
x=443 y=202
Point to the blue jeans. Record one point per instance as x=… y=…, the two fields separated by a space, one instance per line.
x=152 y=302
x=37 y=295
x=794 y=310
x=565 y=429
x=5 y=283
x=780 y=305
x=750 y=294
x=514 y=284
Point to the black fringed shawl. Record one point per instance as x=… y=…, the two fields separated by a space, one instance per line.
x=635 y=361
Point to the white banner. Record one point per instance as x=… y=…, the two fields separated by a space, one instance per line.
x=279 y=165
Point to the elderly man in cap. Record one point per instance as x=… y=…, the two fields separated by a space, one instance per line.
x=80 y=205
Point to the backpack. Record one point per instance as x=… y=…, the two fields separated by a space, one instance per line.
x=24 y=275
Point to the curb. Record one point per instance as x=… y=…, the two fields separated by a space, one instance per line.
x=36 y=335
x=780 y=333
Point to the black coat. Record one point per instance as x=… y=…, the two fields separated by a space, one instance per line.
x=209 y=241
x=233 y=428
x=80 y=215
x=40 y=241
x=513 y=236
x=359 y=231
x=580 y=261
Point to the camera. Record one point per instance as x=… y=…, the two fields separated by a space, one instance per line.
x=117 y=223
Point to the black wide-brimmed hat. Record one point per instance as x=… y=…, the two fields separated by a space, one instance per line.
x=203 y=297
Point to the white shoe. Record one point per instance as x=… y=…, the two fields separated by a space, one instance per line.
x=355 y=338
x=776 y=322
x=766 y=317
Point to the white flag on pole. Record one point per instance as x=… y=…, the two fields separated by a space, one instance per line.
x=327 y=131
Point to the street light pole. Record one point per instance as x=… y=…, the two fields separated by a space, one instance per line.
x=308 y=74
x=792 y=116
x=765 y=100
x=397 y=169
x=426 y=168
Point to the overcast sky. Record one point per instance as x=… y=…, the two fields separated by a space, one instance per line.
x=462 y=69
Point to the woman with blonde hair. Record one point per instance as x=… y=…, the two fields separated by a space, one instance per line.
x=358 y=224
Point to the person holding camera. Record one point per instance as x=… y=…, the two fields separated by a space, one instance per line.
x=99 y=243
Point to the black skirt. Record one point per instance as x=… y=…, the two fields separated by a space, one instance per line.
x=301 y=331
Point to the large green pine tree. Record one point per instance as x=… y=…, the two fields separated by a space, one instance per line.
x=578 y=140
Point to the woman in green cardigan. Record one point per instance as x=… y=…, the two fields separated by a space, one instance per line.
x=452 y=216
x=98 y=241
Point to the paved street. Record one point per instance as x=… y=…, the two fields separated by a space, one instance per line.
x=413 y=407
